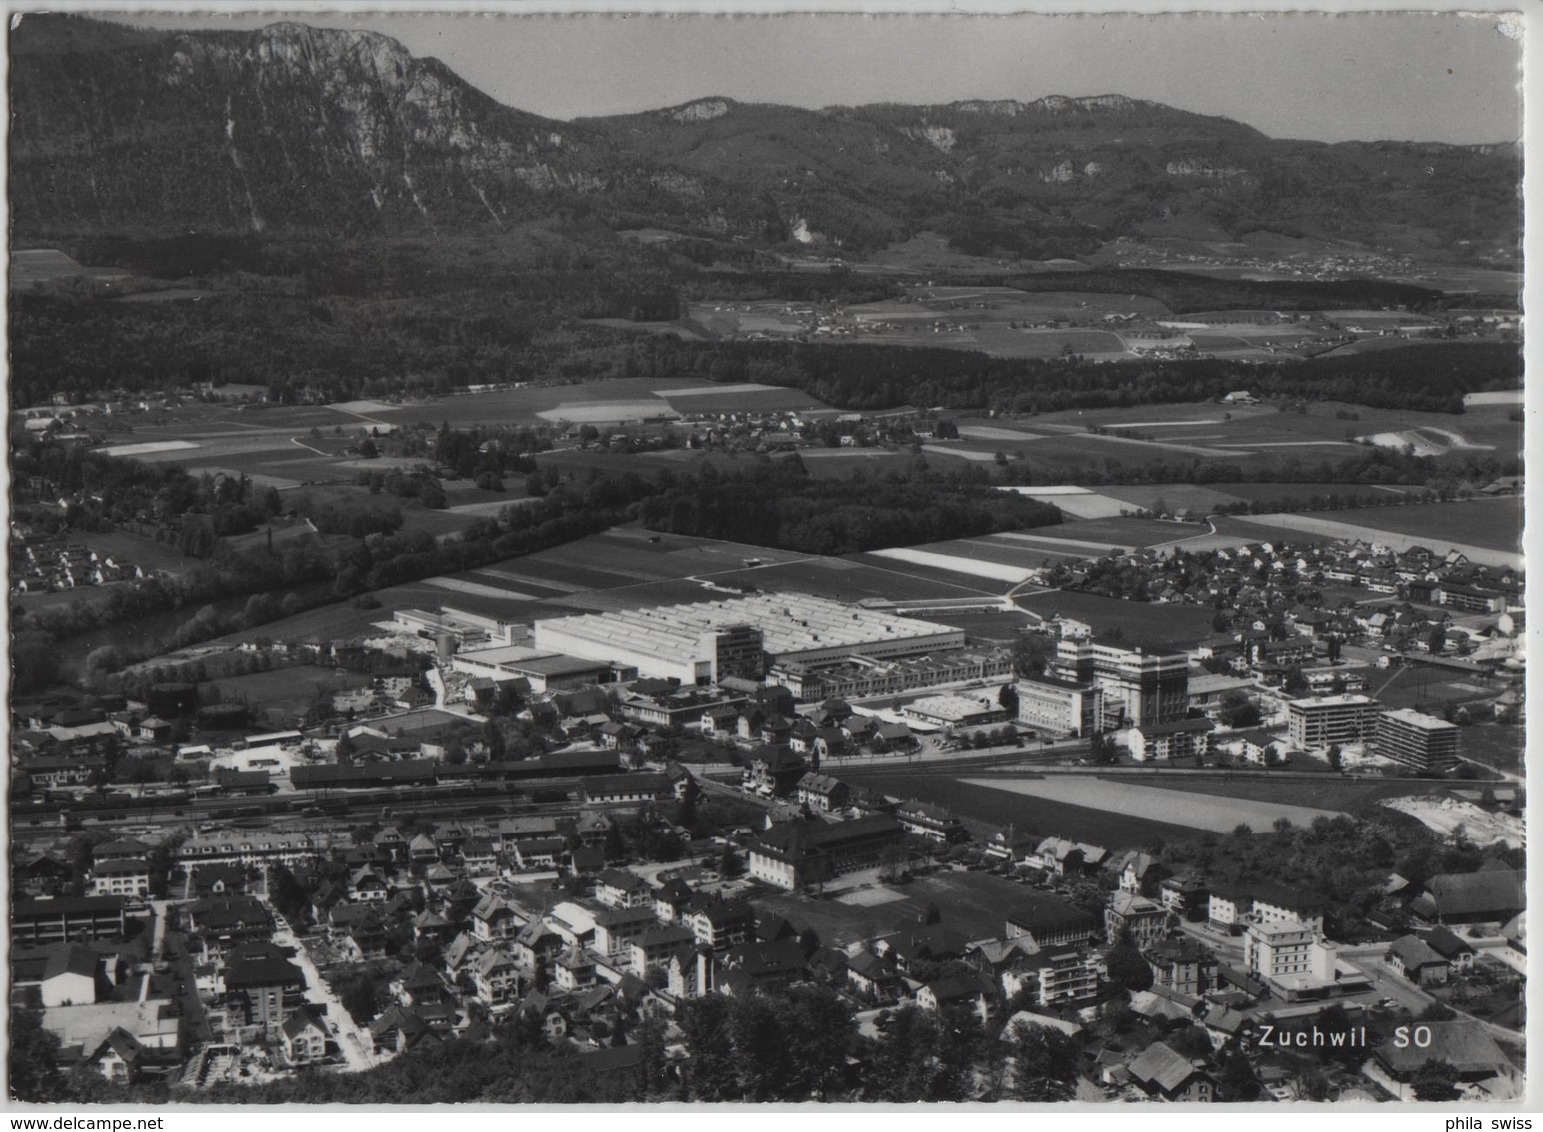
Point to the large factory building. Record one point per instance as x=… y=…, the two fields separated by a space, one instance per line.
x=704 y=642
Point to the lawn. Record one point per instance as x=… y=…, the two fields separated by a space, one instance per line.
x=1039 y=817
x=1180 y=626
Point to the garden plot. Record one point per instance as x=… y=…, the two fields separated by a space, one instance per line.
x=1205 y=812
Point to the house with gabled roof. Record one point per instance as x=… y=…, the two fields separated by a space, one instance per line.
x=304 y=1037
x=537 y=942
x=822 y=792
x=621 y=888
x=874 y=978
x=958 y=992
x=496 y=977
x=721 y=923
x=747 y=968
x=495 y=919
x=400 y=1029
x=120 y=1057
x=1162 y=1073
x=773 y=771
x=671 y=900
x=1414 y=959
x=1458 y=952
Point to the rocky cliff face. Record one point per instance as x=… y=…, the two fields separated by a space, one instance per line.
x=293 y=127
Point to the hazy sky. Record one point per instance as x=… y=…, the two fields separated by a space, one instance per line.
x=1422 y=76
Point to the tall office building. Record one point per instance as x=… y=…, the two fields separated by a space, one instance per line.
x=1140 y=686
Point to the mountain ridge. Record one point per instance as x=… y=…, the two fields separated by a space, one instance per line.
x=343 y=131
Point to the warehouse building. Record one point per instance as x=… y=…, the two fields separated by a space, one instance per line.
x=705 y=642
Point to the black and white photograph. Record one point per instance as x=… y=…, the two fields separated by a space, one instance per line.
x=641 y=558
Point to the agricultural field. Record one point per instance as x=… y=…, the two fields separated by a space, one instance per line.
x=1181 y=626
x=1152 y=804
x=947 y=575
x=840 y=463
x=1302 y=493
x=1173 y=496
x=1039 y=816
x=1128 y=531
x=969 y=564
x=1495 y=523
x=622 y=569
x=847 y=579
x=1332 y=525
x=1080 y=503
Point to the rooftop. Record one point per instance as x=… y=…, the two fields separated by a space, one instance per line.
x=789 y=623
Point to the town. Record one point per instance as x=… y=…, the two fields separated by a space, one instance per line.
x=582 y=825
x=524 y=593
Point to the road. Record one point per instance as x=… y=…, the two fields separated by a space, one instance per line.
x=187 y=985
x=354 y=1042
x=1368 y=957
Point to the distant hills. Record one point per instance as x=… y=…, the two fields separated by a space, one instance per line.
x=293 y=129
